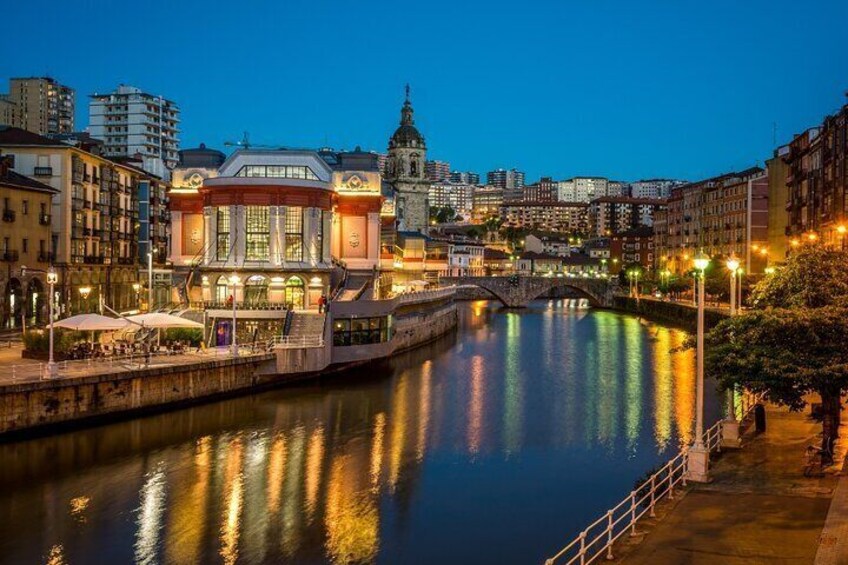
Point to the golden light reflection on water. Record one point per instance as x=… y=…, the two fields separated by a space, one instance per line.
x=475 y=409
x=55 y=556
x=233 y=500
x=663 y=386
x=321 y=473
x=352 y=518
x=314 y=468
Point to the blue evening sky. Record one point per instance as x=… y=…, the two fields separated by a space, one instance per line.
x=626 y=89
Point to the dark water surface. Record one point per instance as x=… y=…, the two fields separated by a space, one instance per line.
x=495 y=444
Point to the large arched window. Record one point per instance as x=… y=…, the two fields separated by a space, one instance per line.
x=222 y=289
x=256 y=290
x=295 y=293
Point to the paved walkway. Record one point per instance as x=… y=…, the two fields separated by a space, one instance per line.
x=758 y=509
x=14 y=370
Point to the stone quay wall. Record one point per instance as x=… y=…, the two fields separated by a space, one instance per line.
x=38 y=404
x=675 y=313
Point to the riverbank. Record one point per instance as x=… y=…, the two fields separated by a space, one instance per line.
x=679 y=314
x=759 y=508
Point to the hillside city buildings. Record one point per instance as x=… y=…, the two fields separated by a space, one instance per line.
x=120 y=207
x=38 y=104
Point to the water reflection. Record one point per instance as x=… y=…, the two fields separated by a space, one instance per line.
x=433 y=457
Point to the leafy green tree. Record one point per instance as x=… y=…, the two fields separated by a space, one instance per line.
x=442 y=214
x=787 y=354
x=812 y=277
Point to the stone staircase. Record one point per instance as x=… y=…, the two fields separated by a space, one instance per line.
x=309 y=325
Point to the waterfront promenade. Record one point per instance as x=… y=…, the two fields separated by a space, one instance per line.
x=759 y=508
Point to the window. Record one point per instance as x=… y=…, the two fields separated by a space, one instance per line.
x=25 y=245
x=258 y=233
x=222 y=249
x=294 y=294
x=294 y=233
x=25 y=207
x=277 y=171
x=361 y=331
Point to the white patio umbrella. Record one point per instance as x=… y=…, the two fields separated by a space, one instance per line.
x=162 y=320
x=417 y=283
x=91 y=323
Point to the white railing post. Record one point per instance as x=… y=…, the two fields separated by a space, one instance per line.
x=609 y=536
x=583 y=547
x=633 y=513
x=671 y=481
x=653 y=494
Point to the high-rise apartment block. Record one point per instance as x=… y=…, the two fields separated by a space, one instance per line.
x=38 y=104
x=465 y=177
x=612 y=215
x=437 y=171
x=507 y=180
x=133 y=123
x=545 y=190
x=458 y=197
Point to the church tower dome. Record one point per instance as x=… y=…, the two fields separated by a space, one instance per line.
x=405 y=172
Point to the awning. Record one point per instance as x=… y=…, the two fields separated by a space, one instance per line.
x=91 y=323
x=162 y=320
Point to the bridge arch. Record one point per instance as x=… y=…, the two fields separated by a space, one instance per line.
x=517 y=291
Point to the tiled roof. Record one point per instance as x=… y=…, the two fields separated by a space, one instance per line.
x=16 y=136
x=12 y=179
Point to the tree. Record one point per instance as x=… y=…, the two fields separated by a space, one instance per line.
x=442 y=214
x=785 y=353
x=812 y=277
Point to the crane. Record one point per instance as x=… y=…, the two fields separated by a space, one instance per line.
x=246 y=144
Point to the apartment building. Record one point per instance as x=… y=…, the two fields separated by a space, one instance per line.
x=562 y=217
x=38 y=104
x=133 y=123
x=610 y=215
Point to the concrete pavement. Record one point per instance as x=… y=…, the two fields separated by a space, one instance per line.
x=759 y=507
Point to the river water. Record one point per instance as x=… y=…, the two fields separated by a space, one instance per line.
x=495 y=444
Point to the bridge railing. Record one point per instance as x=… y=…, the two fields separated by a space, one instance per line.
x=597 y=540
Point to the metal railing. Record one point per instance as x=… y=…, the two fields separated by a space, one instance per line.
x=127 y=362
x=597 y=540
x=297 y=342
x=423 y=295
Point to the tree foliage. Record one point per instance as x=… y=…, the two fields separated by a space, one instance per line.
x=813 y=276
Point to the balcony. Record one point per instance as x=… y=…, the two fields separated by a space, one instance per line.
x=8 y=215
x=86 y=232
x=44 y=219
x=125 y=260
x=9 y=256
x=86 y=204
x=45 y=257
x=42 y=172
x=93 y=259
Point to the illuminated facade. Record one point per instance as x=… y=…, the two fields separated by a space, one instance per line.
x=405 y=171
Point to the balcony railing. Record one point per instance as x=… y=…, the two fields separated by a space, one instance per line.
x=93 y=259
x=42 y=172
x=44 y=219
x=8 y=215
x=9 y=256
x=45 y=257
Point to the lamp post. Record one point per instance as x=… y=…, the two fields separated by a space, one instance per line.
x=52 y=279
x=730 y=426
x=234 y=280
x=137 y=288
x=150 y=279
x=699 y=455
x=733 y=265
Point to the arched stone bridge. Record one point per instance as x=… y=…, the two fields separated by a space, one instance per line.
x=517 y=291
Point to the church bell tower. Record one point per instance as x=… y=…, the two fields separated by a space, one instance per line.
x=405 y=171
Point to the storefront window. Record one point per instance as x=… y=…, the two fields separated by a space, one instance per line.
x=295 y=293
x=362 y=331
x=256 y=290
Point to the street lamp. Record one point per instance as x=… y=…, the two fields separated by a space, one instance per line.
x=699 y=456
x=52 y=279
x=137 y=288
x=84 y=291
x=234 y=280
x=733 y=265
x=841 y=230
